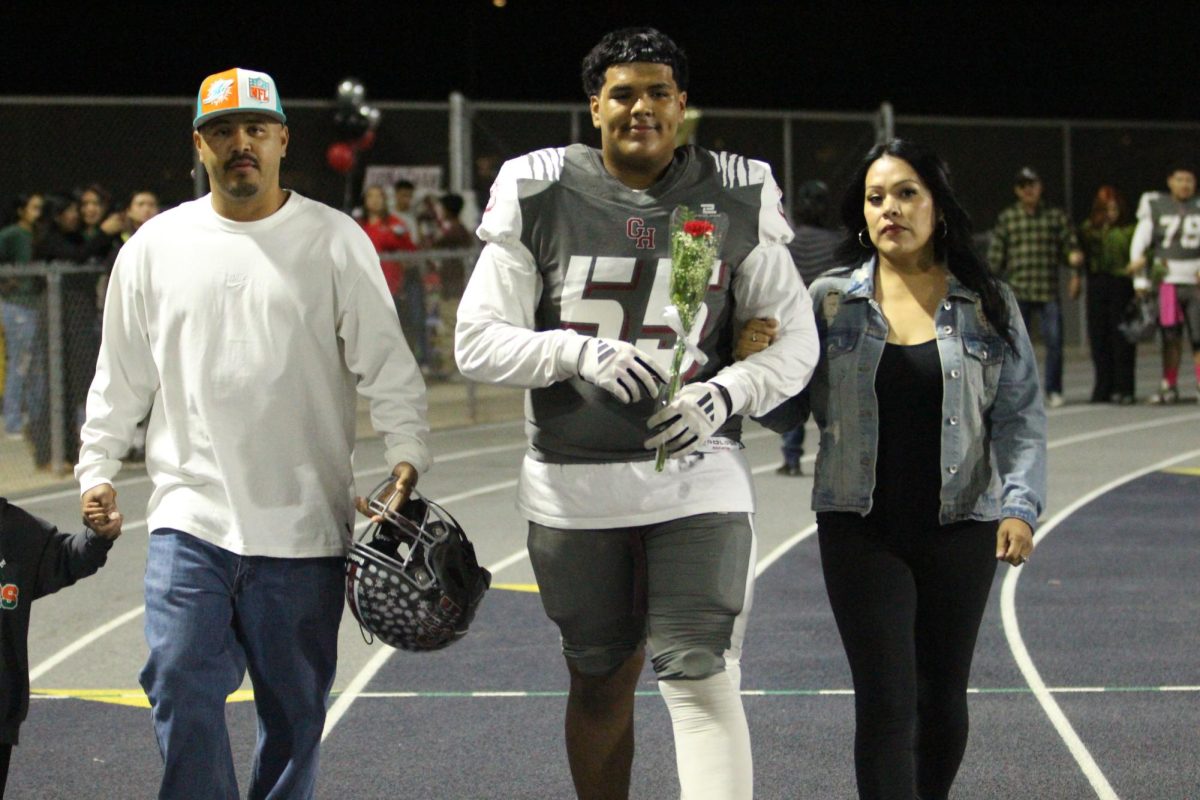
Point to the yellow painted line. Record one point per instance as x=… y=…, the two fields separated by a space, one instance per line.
x=516 y=587
x=125 y=697
x=1184 y=471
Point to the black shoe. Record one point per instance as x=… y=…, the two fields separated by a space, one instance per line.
x=790 y=470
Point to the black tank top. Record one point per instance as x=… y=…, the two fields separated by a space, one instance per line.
x=908 y=477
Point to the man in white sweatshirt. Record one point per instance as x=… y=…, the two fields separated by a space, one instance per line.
x=245 y=322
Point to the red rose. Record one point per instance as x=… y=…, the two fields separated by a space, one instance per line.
x=697 y=228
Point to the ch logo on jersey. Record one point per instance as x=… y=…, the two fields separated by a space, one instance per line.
x=643 y=237
x=10 y=593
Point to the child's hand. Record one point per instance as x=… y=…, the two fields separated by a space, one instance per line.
x=99 y=506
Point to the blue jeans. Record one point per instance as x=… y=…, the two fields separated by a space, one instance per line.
x=410 y=306
x=1051 y=325
x=20 y=330
x=793 y=446
x=210 y=614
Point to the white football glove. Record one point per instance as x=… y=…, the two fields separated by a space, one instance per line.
x=620 y=368
x=685 y=424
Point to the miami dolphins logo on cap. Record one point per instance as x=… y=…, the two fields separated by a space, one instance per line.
x=218 y=91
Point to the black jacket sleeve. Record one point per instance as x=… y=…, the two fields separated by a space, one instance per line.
x=67 y=557
x=787 y=416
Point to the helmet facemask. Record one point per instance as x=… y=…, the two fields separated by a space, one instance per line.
x=412 y=580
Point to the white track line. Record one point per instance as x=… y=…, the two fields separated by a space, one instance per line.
x=1119 y=429
x=781 y=550
x=364 y=676
x=82 y=642
x=369 y=670
x=401 y=695
x=1008 y=613
x=85 y=640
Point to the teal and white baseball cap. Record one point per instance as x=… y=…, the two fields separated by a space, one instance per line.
x=237 y=91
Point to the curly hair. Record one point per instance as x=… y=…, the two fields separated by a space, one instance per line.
x=628 y=45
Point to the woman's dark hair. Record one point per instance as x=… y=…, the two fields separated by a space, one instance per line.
x=453 y=203
x=13 y=212
x=103 y=194
x=628 y=45
x=55 y=204
x=952 y=244
x=133 y=196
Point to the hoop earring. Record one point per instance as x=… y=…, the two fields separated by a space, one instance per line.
x=865 y=245
x=945 y=229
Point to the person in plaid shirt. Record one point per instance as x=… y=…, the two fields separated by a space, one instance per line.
x=1029 y=244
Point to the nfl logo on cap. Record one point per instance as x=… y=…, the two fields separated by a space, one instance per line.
x=237 y=91
x=260 y=90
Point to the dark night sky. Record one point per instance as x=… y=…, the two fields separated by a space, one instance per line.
x=1129 y=60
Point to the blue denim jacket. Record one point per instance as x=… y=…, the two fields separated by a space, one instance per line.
x=991 y=404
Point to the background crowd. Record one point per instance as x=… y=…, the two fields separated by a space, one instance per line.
x=87 y=227
x=1032 y=245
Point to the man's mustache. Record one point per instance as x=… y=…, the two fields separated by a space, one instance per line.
x=240 y=158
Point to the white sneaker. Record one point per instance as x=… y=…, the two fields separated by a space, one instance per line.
x=1055 y=400
x=1167 y=396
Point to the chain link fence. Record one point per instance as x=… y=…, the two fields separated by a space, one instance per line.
x=51 y=337
x=57 y=143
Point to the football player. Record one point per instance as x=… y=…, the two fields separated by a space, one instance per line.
x=567 y=300
x=1168 y=230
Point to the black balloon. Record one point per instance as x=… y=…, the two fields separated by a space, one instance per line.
x=350 y=123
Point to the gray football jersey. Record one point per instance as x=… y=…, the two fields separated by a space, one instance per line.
x=1176 y=227
x=603 y=253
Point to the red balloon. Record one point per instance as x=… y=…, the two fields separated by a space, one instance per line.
x=340 y=156
x=366 y=141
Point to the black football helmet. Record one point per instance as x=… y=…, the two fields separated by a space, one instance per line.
x=412 y=580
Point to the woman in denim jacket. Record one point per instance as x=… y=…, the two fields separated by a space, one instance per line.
x=931 y=466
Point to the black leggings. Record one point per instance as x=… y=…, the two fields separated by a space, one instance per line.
x=908 y=606
x=5 y=755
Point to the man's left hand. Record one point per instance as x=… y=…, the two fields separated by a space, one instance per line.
x=406 y=480
x=100 y=513
x=686 y=422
